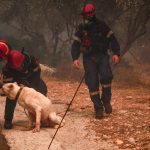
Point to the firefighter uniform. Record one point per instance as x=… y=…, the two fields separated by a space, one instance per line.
x=29 y=76
x=93 y=40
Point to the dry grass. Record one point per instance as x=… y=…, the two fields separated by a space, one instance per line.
x=137 y=76
x=66 y=72
x=123 y=76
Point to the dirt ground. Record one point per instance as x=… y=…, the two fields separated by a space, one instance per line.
x=127 y=128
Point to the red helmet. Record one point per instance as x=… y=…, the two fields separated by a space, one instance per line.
x=15 y=59
x=88 y=10
x=4 y=49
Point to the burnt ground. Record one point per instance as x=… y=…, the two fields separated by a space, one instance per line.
x=127 y=128
x=129 y=125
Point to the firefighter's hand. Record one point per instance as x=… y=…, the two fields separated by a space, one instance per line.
x=77 y=64
x=115 y=59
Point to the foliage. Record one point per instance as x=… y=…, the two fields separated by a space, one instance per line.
x=48 y=25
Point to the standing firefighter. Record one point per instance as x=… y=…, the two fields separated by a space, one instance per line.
x=23 y=69
x=93 y=38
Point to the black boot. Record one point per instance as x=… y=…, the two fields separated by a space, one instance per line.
x=99 y=113
x=106 y=97
x=9 y=112
x=97 y=106
x=108 y=108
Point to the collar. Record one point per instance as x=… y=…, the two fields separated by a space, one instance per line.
x=17 y=96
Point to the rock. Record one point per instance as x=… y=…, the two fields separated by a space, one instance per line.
x=88 y=99
x=132 y=141
x=122 y=111
x=105 y=136
x=129 y=97
x=119 y=142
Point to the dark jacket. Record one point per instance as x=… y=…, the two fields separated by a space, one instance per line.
x=94 y=38
x=30 y=72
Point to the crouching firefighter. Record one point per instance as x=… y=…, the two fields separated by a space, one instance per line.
x=93 y=38
x=22 y=68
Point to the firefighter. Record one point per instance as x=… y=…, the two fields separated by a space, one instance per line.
x=22 y=68
x=93 y=38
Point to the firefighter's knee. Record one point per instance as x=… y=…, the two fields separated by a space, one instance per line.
x=106 y=80
x=92 y=86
